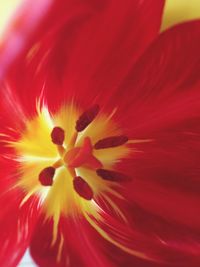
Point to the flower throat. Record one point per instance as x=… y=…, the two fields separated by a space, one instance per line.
x=74 y=157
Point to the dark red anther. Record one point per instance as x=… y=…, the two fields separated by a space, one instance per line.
x=86 y=118
x=46 y=176
x=58 y=136
x=112 y=175
x=112 y=141
x=82 y=188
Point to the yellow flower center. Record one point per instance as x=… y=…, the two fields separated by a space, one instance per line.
x=86 y=159
x=68 y=161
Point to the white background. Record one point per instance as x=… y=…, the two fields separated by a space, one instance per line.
x=27 y=261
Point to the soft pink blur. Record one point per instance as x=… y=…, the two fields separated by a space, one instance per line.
x=20 y=20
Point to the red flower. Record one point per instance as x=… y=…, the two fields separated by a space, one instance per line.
x=100 y=138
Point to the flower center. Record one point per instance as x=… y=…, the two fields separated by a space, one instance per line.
x=73 y=157
x=68 y=161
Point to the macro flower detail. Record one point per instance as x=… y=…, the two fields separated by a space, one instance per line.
x=100 y=137
x=69 y=164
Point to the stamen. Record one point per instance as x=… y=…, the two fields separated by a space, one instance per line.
x=112 y=141
x=57 y=164
x=112 y=175
x=46 y=176
x=58 y=136
x=72 y=141
x=82 y=188
x=86 y=118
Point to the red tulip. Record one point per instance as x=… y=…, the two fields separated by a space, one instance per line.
x=100 y=137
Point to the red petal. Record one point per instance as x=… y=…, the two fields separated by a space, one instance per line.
x=16 y=222
x=81 y=246
x=152 y=238
x=167 y=176
x=60 y=17
x=104 y=52
x=16 y=226
x=163 y=87
x=166 y=187
x=11 y=122
x=166 y=108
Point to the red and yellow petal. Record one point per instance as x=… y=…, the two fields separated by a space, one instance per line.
x=17 y=220
x=18 y=216
x=76 y=245
x=166 y=170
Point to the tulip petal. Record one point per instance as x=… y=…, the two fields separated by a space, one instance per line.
x=162 y=88
x=151 y=238
x=85 y=56
x=16 y=220
x=75 y=245
x=164 y=108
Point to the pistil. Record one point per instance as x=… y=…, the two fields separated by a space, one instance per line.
x=73 y=157
x=82 y=156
